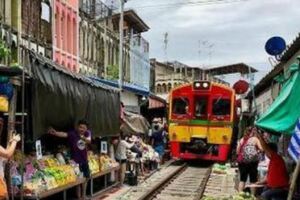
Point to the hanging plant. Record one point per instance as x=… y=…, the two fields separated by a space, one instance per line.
x=4 y=51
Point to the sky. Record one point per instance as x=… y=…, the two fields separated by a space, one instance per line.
x=227 y=32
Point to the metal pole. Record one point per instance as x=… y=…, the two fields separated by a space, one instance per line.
x=252 y=89
x=105 y=49
x=121 y=24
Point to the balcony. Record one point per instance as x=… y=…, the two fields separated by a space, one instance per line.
x=94 y=9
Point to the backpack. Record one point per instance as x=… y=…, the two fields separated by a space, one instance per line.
x=250 y=153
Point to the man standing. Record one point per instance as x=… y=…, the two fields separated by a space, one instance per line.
x=78 y=139
x=157 y=140
x=277 y=180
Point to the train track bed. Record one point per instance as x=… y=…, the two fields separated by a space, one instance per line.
x=221 y=185
x=138 y=192
x=188 y=185
x=173 y=182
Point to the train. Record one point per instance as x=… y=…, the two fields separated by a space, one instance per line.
x=202 y=121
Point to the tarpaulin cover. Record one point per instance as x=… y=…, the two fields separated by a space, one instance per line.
x=134 y=124
x=60 y=98
x=283 y=114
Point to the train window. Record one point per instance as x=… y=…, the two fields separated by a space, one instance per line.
x=221 y=107
x=201 y=107
x=180 y=106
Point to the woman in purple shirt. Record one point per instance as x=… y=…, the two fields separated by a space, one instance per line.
x=78 y=140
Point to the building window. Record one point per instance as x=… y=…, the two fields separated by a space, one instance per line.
x=57 y=27
x=169 y=87
x=164 y=88
x=158 y=88
x=75 y=35
x=62 y=30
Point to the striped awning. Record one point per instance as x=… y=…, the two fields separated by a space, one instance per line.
x=153 y=103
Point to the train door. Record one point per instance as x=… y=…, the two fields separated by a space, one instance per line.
x=199 y=128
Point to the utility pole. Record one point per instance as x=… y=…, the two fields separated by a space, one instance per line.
x=121 y=24
x=105 y=49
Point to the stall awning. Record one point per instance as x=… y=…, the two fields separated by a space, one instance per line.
x=134 y=124
x=136 y=89
x=60 y=98
x=156 y=102
x=283 y=114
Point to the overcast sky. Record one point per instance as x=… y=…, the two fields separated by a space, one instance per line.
x=230 y=32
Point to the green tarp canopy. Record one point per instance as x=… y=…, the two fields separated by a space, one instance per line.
x=283 y=114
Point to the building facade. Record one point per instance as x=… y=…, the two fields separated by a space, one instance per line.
x=65 y=37
x=168 y=75
x=37 y=26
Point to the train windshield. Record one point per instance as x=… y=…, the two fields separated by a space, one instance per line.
x=201 y=103
x=180 y=106
x=221 y=107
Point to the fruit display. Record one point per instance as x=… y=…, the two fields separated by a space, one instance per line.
x=107 y=163
x=51 y=171
x=93 y=163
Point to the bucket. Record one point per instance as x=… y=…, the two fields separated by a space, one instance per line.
x=132 y=179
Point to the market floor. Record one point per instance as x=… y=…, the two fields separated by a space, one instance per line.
x=114 y=193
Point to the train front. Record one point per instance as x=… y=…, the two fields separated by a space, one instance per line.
x=201 y=120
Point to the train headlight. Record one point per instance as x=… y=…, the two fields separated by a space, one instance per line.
x=197 y=85
x=201 y=85
x=205 y=85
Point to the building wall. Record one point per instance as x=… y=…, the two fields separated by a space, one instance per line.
x=37 y=26
x=131 y=101
x=263 y=101
x=92 y=49
x=139 y=62
x=65 y=37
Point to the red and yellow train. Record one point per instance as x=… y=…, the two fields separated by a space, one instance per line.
x=201 y=121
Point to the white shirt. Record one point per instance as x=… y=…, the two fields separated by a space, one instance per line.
x=121 y=150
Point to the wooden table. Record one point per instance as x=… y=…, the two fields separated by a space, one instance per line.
x=53 y=191
x=101 y=174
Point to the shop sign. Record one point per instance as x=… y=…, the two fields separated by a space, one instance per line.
x=38 y=147
x=103 y=147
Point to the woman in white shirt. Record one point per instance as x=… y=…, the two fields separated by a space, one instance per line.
x=120 y=155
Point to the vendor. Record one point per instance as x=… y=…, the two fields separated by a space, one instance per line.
x=277 y=180
x=120 y=155
x=78 y=139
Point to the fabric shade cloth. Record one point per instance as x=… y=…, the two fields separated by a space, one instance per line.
x=60 y=98
x=134 y=124
x=282 y=115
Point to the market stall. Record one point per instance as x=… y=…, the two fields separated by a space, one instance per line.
x=53 y=96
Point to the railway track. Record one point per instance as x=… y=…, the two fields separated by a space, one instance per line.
x=172 y=183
